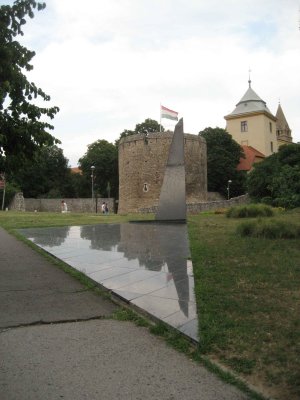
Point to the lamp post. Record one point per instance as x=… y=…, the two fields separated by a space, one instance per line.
x=2 y=186
x=92 y=176
x=228 y=189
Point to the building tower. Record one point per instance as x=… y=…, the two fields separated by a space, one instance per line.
x=142 y=163
x=251 y=123
x=283 y=131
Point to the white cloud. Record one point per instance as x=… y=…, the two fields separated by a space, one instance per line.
x=109 y=63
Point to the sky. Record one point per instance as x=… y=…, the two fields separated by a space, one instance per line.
x=109 y=64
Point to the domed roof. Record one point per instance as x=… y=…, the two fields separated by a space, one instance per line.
x=250 y=103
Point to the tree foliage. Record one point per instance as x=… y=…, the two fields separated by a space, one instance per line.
x=223 y=156
x=22 y=125
x=104 y=157
x=148 y=126
x=46 y=175
x=276 y=180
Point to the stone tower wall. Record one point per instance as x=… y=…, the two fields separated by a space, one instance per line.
x=142 y=163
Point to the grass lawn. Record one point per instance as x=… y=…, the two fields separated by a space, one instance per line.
x=247 y=293
x=248 y=298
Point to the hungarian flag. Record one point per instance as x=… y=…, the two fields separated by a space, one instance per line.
x=167 y=113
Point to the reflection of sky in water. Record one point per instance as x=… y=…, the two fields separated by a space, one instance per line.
x=144 y=263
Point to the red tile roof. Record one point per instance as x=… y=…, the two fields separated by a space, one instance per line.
x=76 y=170
x=252 y=156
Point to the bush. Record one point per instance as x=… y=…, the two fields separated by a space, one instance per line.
x=290 y=202
x=250 y=211
x=269 y=229
x=287 y=202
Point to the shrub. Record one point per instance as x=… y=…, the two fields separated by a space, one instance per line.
x=269 y=229
x=250 y=211
x=292 y=201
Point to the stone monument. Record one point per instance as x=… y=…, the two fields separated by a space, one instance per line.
x=172 y=200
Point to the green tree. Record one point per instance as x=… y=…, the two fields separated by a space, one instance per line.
x=223 y=157
x=260 y=178
x=46 y=175
x=104 y=157
x=148 y=126
x=276 y=180
x=81 y=186
x=22 y=123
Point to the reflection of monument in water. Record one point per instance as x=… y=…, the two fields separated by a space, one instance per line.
x=157 y=246
x=141 y=242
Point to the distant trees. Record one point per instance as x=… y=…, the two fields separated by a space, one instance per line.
x=276 y=180
x=223 y=157
x=23 y=129
x=148 y=126
x=104 y=157
x=45 y=175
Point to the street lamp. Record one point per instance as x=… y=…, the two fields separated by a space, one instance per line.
x=92 y=176
x=228 y=189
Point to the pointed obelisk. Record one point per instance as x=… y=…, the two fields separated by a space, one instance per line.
x=172 y=201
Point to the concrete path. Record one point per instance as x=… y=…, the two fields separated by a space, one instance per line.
x=57 y=342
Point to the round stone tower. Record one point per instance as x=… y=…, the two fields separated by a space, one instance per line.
x=142 y=161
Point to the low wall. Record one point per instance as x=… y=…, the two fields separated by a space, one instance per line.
x=54 y=205
x=90 y=206
x=195 y=208
x=214 y=196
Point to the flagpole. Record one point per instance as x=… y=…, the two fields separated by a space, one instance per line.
x=160 y=117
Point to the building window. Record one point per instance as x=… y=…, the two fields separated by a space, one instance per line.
x=244 y=126
x=272 y=151
x=270 y=124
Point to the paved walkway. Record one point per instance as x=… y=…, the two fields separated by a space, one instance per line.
x=57 y=342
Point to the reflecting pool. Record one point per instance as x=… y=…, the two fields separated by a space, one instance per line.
x=145 y=264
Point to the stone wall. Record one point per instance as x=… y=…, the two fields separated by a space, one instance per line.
x=195 y=208
x=54 y=205
x=142 y=163
x=214 y=196
x=86 y=205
